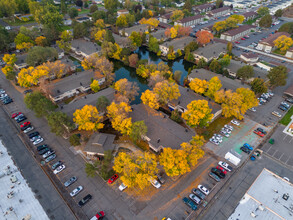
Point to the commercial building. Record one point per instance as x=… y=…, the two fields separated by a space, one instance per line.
x=237 y=33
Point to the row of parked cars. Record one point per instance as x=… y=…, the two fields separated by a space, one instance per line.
x=284 y=106
x=265 y=97
x=5 y=99
x=225 y=131
x=199 y=194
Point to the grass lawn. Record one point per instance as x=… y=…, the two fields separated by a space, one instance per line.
x=287 y=118
x=17 y=22
x=213 y=128
x=66 y=28
x=277 y=51
x=84 y=11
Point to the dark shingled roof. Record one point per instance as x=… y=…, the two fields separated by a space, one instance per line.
x=249 y=14
x=191 y=18
x=289 y=91
x=238 y=30
x=249 y=55
x=220 y=9
x=100 y=142
x=270 y=40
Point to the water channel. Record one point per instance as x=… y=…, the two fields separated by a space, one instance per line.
x=129 y=73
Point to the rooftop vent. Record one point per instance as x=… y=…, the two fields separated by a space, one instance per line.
x=164 y=116
x=286 y=196
x=158 y=141
x=187 y=90
x=261 y=208
x=253 y=215
x=186 y=130
x=80 y=83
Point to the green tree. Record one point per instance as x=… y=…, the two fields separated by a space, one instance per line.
x=245 y=72
x=63 y=7
x=111 y=5
x=91 y=170
x=37 y=102
x=229 y=48
x=74 y=140
x=65 y=41
x=215 y=66
x=258 y=86
x=278 y=76
x=102 y=103
x=109 y=36
x=73 y=12
x=21 y=38
x=219 y=3
x=80 y=30
x=38 y=55
x=4 y=39
x=279 y=13
x=93 y=8
x=266 y=21
x=287 y=27
x=58 y=121
x=7 y=8
x=263 y=11
x=22 y=6
x=138 y=130
x=153 y=44
x=135 y=39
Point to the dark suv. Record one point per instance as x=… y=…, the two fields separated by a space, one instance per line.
x=218 y=172
x=87 y=198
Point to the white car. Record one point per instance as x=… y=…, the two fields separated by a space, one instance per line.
x=35 y=138
x=38 y=141
x=228 y=127
x=122 y=187
x=226 y=166
x=275 y=113
x=59 y=169
x=252 y=109
x=28 y=129
x=234 y=122
x=76 y=191
x=155 y=183
x=49 y=153
x=203 y=189
x=286 y=178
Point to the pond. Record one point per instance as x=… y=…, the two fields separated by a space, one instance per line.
x=129 y=73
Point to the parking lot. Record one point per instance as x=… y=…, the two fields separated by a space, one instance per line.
x=281 y=150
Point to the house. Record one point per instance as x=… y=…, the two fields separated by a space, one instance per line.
x=219 y=11
x=289 y=53
x=235 y=65
x=249 y=57
x=178 y=44
x=59 y=51
x=166 y=18
x=202 y=8
x=83 y=19
x=84 y=48
x=164 y=25
x=71 y=65
x=187 y=96
x=67 y=22
x=227 y=83
x=137 y=28
x=237 y=33
x=189 y=21
x=210 y=51
x=159 y=35
x=289 y=91
x=249 y=15
x=162 y=131
x=90 y=99
x=98 y=144
x=267 y=44
x=73 y=85
x=122 y=12
x=20 y=62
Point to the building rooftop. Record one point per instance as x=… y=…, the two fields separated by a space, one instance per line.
x=258 y=72
x=90 y=99
x=159 y=34
x=227 y=83
x=191 y=18
x=270 y=40
x=85 y=46
x=265 y=199
x=179 y=43
x=249 y=14
x=217 y=10
x=100 y=142
x=249 y=55
x=187 y=96
x=289 y=91
x=162 y=131
x=204 y=6
x=20 y=59
x=167 y=15
x=23 y=201
x=164 y=25
x=211 y=50
x=136 y=28
x=238 y=30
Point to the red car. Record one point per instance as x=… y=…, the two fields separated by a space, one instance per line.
x=222 y=169
x=25 y=124
x=242 y=38
x=15 y=114
x=98 y=216
x=237 y=42
x=113 y=178
x=258 y=133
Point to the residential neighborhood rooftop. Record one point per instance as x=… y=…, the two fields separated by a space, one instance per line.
x=85 y=46
x=289 y=91
x=20 y=59
x=191 y=18
x=270 y=40
x=99 y=143
x=249 y=55
x=137 y=28
x=220 y=9
x=235 y=65
x=179 y=43
x=211 y=50
x=249 y=14
x=239 y=30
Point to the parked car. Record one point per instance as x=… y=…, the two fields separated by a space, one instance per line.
x=218 y=172
x=198 y=193
x=195 y=199
x=248 y=146
x=27 y=91
x=16 y=114
x=215 y=177
x=285 y=104
x=237 y=42
x=234 y=122
x=34 y=134
x=155 y=183
x=59 y=169
x=20 y=119
x=160 y=178
x=38 y=141
x=50 y=158
x=76 y=191
x=283 y=108
x=44 y=150
x=245 y=150
x=84 y=200
x=190 y=203
x=122 y=187
x=49 y=153
x=41 y=147
x=203 y=189
x=70 y=181
x=289 y=100
x=35 y=138
x=222 y=169
x=275 y=113
x=25 y=124
x=258 y=133
x=262 y=131
x=98 y=216
x=113 y=178
x=243 y=38
x=252 y=109
x=228 y=127
x=7 y=101
x=225 y=165
x=57 y=164
x=28 y=129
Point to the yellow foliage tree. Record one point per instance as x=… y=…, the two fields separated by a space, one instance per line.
x=198 y=113
x=150 y=99
x=30 y=76
x=55 y=69
x=214 y=86
x=116 y=54
x=283 y=42
x=177 y=15
x=127 y=89
x=199 y=86
x=118 y=115
x=239 y=18
x=100 y=24
x=95 y=86
x=152 y=22
x=100 y=35
x=194 y=153
x=24 y=46
x=41 y=41
x=173 y=32
x=88 y=118
x=175 y=162
x=167 y=91
x=9 y=59
x=219 y=26
x=248 y=98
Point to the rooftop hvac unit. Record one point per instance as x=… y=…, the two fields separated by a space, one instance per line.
x=261 y=208
x=286 y=196
x=253 y=215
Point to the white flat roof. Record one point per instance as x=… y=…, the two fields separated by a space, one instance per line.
x=23 y=202
x=264 y=199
